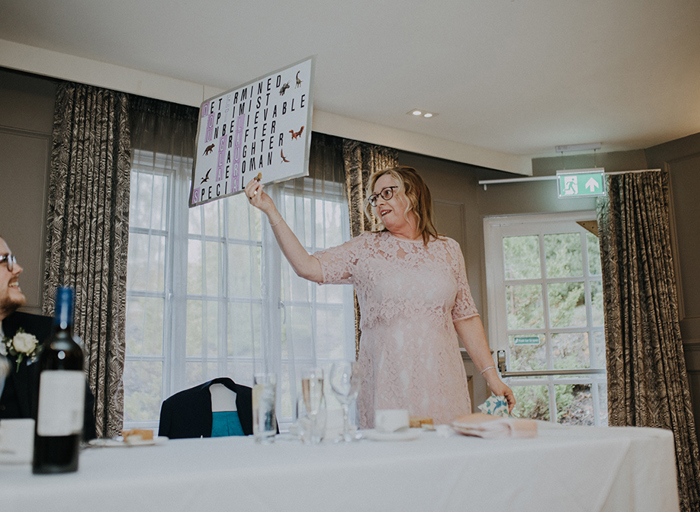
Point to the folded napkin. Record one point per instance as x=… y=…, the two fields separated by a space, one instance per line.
x=496 y=406
x=494 y=427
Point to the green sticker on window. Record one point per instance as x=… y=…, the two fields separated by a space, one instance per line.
x=527 y=340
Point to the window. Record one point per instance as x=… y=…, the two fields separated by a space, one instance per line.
x=546 y=314
x=206 y=286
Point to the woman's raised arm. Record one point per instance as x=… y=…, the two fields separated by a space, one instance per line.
x=302 y=262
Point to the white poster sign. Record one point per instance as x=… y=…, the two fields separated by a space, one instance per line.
x=260 y=129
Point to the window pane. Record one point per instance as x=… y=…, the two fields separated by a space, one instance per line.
x=301 y=289
x=212 y=269
x=603 y=402
x=329 y=333
x=146 y=263
x=203 y=270
x=597 y=303
x=241 y=371
x=567 y=304
x=531 y=402
x=199 y=372
x=527 y=357
x=244 y=271
x=329 y=294
x=563 y=255
x=244 y=329
x=144 y=326
x=599 y=342
x=574 y=404
x=195 y=220
x=521 y=257
x=194 y=267
x=593 y=245
x=212 y=218
x=297 y=331
x=524 y=307
x=147 y=208
x=243 y=219
x=202 y=329
x=142 y=390
x=570 y=351
x=329 y=216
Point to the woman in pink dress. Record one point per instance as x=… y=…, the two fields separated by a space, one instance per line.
x=414 y=298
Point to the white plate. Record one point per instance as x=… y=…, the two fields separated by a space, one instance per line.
x=118 y=443
x=407 y=435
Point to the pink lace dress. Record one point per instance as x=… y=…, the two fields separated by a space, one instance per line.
x=410 y=295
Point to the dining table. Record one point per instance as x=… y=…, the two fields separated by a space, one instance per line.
x=563 y=468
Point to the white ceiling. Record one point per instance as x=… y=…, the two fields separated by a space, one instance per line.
x=516 y=76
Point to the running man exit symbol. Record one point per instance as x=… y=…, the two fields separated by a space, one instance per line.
x=570 y=185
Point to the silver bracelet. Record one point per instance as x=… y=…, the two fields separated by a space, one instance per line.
x=487 y=369
x=273 y=225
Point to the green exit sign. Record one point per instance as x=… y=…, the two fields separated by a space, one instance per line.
x=581 y=183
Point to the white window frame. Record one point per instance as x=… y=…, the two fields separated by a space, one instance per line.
x=495 y=229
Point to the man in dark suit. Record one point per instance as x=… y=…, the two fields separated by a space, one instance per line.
x=20 y=394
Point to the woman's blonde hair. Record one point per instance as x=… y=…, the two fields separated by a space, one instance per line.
x=417 y=193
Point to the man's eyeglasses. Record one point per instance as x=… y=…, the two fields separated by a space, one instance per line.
x=386 y=193
x=10 y=260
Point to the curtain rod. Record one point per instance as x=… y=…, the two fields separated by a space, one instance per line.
x=631 y=172
x=553 y=177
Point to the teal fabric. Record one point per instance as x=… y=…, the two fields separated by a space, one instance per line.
x=226 y=423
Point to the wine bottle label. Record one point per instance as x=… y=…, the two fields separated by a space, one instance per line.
x=61 y=403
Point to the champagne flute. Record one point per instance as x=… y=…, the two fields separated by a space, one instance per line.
x=345 y=383
x=312 y=391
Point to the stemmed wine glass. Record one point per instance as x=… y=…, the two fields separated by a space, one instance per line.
x=345 y=382
x=312 y=391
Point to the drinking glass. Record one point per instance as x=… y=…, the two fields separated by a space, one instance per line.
x=312 y=392
x=264 y=419
x=308 y=433
x=345 y=383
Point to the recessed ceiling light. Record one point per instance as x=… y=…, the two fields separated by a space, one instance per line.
x=421 y=113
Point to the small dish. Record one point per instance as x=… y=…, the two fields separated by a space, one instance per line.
x=406 y=435
x=119 y=443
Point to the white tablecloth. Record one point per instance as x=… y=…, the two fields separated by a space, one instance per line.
x=564 y=469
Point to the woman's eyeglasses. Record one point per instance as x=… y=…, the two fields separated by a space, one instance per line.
x=9 y=260
x=386 y=193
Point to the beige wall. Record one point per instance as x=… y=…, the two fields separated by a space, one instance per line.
x=26 y=121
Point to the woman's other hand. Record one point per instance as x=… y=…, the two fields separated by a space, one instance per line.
x=499 y=388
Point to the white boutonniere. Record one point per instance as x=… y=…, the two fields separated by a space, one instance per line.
x=20 y=346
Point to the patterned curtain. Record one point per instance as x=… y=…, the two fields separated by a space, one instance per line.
x=87 y=234
x=647 y=380
x=361 y=160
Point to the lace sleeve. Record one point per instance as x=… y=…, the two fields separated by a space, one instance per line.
x=464 y=303
x=338 y=263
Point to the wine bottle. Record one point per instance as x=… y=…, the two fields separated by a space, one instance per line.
x=59 y=421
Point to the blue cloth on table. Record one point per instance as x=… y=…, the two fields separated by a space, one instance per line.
x=226 y=423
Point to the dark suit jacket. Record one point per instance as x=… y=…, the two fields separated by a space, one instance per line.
x=188 y=413
x=21 y=394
